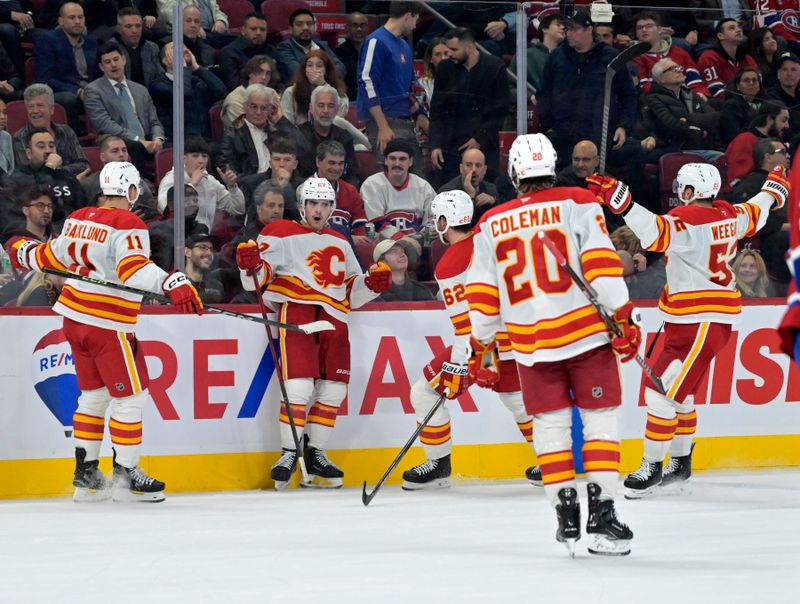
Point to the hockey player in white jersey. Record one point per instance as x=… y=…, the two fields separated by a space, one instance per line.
x=311 y=273
x=699 y=303
x=110 y=243
x=446 y=374
x=564 y=352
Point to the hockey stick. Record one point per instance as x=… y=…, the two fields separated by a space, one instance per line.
x=591 y=295
x=653 y=343
x=617 y=63
x=366 y=498
x=313 y=327
x=281 y=383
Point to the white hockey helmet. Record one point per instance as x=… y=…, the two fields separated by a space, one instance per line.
x=117 y=177
x=703 y=178
x=455 y=206
x=315 y=188
x=531 y=156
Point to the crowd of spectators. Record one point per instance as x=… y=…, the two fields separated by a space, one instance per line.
x=398 y=109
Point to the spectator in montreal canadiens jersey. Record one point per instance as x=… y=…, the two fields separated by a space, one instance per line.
x=719 y=64
x=398 y=202
x=349 y=217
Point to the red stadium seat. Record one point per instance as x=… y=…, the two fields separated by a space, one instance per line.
x=367 y=166
x=93 y=155
x=435 y=252
x=163 y=164
x=364 y=253
x=277 y=13
x=352 y=116
x=236 y=10
x=722 y=165
x=18 y=116
x=668 y=166
x=214 y=116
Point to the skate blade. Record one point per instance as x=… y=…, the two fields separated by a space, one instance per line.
x=640 y=493
x=439 y=483
x=683 y=487
x=570 y=545
x=320 y=482
x=123 y=495
x=536 y=483
x=84 y=495
x=600 y=545
x=281 y=485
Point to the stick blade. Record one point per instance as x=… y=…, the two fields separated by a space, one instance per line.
x=365 y=499
x=316 y=326
x=629 y=54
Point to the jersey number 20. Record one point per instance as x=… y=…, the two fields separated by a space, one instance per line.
x=534 y=253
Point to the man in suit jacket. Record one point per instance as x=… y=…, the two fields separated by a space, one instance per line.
x=245 y=149
x=290 y=52
x=66 y=60
x=123 y=108
x=142 y=64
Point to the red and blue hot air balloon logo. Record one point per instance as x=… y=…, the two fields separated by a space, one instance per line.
x=54 y=377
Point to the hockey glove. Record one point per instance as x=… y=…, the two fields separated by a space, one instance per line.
x=18 y=254
x=626 y=345
x=248 y=257
x=609 y=191
x=777 y=184
x=182 y=293
x=379 y=278
x=451 y=381
x=484 y=364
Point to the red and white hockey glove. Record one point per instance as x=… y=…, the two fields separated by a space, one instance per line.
x=484 y=364
x=379 y=278
x=627 y=344
x=611 y=192
x=452 y=380
x=777 y=184
x=19 y=251
x=248 y=257
x=182 y=293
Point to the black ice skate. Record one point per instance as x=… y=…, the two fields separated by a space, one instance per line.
x=608 y=536
x=643 y=481
x=132 y=484
x=568 y=512
x=89 y=482
x=677 y=473
x=284 y=468
x=430 y=474
x=322 y=473
x=534 y=476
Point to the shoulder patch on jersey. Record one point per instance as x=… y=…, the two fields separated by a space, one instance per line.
x=455 y=260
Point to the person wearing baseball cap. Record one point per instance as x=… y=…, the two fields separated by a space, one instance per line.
x=403 y=288
x=199 y=253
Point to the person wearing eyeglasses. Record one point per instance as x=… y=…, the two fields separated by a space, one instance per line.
x=675 y=117
x=648 y=29
x=199 y=253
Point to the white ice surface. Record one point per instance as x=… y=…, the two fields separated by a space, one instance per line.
x=733 y=539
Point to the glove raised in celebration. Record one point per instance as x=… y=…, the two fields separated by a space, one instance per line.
x=778 y=186
x=484 y=364
x=379 y=278
x=452 y=380
x=182 y=293
x=248 y=257
x=626 y=345
x=611 y=192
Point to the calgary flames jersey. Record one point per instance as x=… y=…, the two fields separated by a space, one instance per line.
x=102 y=243
x=515 y=284
x=309 y=267
x=451 y=275
x=700 y=242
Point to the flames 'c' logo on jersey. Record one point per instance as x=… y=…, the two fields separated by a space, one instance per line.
x=321 y=264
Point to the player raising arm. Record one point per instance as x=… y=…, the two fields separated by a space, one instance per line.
x=311 y=273
x=699 y=303
x=111 y=243
x=564 y=352
x=446 y=375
